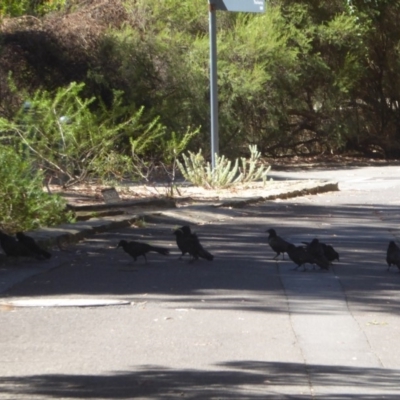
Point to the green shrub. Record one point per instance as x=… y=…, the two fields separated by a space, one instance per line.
x=17 y=8
x=199 y=172
x=61 y=133
x=23 y=203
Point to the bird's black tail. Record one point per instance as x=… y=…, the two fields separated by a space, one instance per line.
x=205 y=254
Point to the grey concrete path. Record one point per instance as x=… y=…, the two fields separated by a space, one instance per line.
x=240 y=327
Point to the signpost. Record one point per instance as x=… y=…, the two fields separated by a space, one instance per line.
x=254 y=6
x=239 y=5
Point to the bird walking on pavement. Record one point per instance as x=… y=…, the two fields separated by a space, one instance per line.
x=393 y=255
x=329 y=252
x=316 y=250
x=13 y=248
x=31 y=244
x=189 y=243
x=300 y=256
x=137 y=249
x=277 y=244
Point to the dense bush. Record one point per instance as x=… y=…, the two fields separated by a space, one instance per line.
x=16 y=8
x=65 y=137
x=23 y=203
x=306 y=77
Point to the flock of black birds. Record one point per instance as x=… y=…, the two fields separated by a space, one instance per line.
x=315 y=253
x=22 y=246
x=186 y=240
x=319 y=254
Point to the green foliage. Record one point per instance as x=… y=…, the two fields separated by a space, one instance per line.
x=17 y=8
x=60 y=133
x=305 y=77
x=199 y=172
x=176 y=144
x=253 y=170
x=167 y=81
x=23 y=203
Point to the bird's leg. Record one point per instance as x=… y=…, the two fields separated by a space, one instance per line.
x=277 y=254
x=193 y=258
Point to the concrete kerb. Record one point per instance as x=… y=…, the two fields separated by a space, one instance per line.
x=302 y=189
x=70 y=233
x=155 y=203
x=75 y=232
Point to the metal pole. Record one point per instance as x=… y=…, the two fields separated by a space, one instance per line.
x=213 y=83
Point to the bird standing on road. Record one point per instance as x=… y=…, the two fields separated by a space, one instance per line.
x=31 y=244
x=316 y=250
x=329 y=252
x=189 y=243
x=277 y=244
x=136 y=249
x=12 y=247
x=393 y=255
x=299 y=256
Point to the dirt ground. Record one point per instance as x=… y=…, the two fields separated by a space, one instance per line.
x=93 y=194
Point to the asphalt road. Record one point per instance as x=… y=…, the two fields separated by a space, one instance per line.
x=240 y=327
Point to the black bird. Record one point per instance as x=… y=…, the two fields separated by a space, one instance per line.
x=393 y=255
x=12 y=247
x=300 y=256
x=277 y=244
x=316 y=250
x=189 y=243
x=183 y=240
x=31 y=244
x=186 y=230
x=136 y=249
x=329 y=252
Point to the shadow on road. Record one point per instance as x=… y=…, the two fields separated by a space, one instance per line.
x=244 y=380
